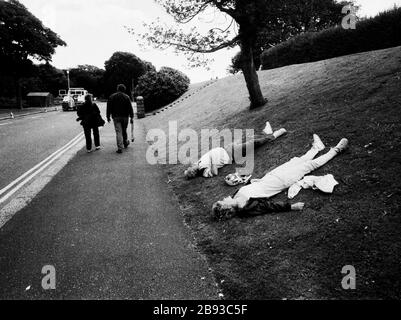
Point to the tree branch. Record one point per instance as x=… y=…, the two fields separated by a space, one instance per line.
x=190 y=18
x=183 y=47
x=219 y=4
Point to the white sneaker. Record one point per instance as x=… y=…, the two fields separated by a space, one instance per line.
x=342 y=145
x=279 y=133
x=89 y=151
x=268 y=129
x=318 y=143
x=98 y=148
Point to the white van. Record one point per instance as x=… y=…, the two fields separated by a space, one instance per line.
x=74 y=98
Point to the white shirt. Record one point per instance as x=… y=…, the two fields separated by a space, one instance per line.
x=216 y=157
x=266 y=187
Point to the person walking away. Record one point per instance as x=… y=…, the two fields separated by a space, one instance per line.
x=90 y=117
x=119 y=107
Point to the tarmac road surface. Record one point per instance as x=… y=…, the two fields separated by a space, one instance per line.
x=107 y=223
x=26 y=141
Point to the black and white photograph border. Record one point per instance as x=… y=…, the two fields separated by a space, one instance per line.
x=201 y=155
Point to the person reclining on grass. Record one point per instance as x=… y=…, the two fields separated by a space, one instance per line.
x=209 y=164
x=254 y=200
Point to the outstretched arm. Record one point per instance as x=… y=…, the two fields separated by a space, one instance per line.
x=259 y=206
x=215 y=170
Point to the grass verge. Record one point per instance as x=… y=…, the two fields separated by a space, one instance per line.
x=301 y=255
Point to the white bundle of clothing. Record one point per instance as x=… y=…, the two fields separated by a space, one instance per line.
x=325 y=184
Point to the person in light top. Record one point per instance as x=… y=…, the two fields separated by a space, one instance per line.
x=254 y=198
x=209 y=164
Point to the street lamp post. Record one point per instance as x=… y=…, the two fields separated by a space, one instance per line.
x=68 y=79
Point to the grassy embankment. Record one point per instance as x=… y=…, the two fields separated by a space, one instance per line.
x=300 y=255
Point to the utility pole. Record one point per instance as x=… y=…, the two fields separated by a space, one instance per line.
x=68 y=79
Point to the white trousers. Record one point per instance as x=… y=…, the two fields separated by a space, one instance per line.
x=295 y=169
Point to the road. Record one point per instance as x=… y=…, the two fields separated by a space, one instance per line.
x=26 y=141
x=110 y=227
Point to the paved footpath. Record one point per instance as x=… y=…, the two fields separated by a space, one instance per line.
x=111 y=228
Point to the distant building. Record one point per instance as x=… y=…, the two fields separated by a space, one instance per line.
x=40 y=99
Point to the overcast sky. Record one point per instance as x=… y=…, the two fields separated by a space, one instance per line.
x=94 y=30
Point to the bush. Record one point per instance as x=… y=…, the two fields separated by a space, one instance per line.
x=380 y=32
x=161 y=88
x=10 y=103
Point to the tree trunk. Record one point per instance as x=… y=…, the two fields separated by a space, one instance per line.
x=251 y=77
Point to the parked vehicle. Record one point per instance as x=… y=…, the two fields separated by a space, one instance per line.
x=68 y=103
x=74 y=98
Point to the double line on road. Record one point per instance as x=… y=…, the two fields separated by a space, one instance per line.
x=17 y=184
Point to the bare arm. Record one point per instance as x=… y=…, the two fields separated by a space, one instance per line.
x=215 y=170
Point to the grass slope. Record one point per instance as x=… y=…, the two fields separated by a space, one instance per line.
x=301 y=255
x=192 y=90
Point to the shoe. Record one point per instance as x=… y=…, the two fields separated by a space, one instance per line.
x=119 y=151
x=317 y=143
x=279 y=133
x=236 y=179
x=268 y=129
x=342 y=145
x=89 y=151
x=98 y=148
x=126 y=144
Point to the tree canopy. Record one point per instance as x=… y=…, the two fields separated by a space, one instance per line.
x=23 y=37
x=162 y=87
x=90 y=77
x=293 y=17
x=125 y=68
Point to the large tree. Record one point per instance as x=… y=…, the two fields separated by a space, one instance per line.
x=250 y=19
x=23 y=37
x=125 y=68
x=247 y=15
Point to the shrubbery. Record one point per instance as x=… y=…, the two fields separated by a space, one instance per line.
x=162 y=87
x=380 y=32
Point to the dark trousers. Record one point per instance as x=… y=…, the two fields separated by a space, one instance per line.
x=88 y=137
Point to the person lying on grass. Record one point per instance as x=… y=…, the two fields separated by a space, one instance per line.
x=209 y=164
x=253 y=199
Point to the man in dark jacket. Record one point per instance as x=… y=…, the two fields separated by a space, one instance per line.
x=119 y=107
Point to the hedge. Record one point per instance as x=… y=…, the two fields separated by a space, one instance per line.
x=161 y=88
x=380 y=32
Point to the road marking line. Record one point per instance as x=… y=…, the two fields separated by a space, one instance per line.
x=3 y=124
x=26 y=177
x=25 y=196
